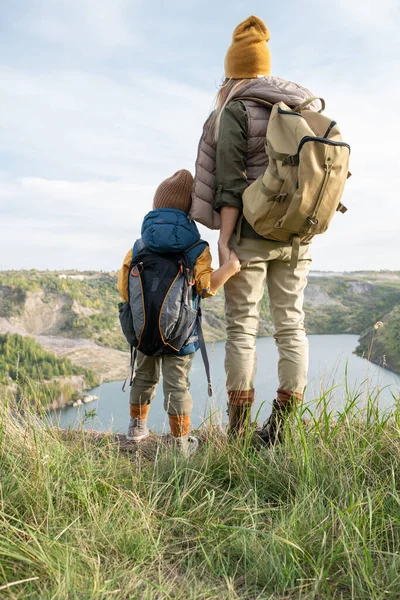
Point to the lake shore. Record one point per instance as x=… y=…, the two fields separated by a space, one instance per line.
x=331 y=357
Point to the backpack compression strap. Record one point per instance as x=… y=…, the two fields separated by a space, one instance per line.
x=204 y=355
x=132 y=369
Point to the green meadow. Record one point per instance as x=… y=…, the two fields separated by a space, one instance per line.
x=317 y=517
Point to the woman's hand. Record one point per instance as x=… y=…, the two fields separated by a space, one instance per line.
x=229 y=217
x=225 y=254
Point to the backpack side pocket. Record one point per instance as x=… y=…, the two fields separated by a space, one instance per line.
x=185 y=327
x=125 y=318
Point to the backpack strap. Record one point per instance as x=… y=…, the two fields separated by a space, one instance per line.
x=198 y=243
x=307 y=102
x=190 y=264
x=204 y=354
x=281 y=156
x=295 y=251
x=131 y=373
x=138 y=246
x=258 y=100
x=298 y=108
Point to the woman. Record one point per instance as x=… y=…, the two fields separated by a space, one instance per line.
x=231 y=156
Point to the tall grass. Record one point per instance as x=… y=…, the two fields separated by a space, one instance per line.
x=316 y=517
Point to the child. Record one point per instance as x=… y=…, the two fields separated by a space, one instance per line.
x=168 y=229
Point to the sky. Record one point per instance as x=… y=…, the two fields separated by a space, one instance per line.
x=100 y=100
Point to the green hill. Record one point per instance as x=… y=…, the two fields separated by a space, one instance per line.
x=30 y=372
x=73 y=305
x=382 y=345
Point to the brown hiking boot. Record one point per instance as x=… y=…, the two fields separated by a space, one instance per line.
x=239 y=409
x=271 y=432
x=239 y=416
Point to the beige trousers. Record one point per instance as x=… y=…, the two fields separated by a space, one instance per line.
x=175 y=371
x=264 y=262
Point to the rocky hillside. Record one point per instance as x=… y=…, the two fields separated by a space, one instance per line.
x=75 y=313
x=29 y=373
x=355 y=303
x=381 y=344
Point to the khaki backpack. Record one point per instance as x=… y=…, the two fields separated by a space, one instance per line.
x=300 y=191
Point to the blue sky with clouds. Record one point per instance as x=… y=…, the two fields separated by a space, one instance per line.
x=102 y=99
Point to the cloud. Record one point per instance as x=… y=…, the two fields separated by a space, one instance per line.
x=373 y=16
x=97 y=109
x=56 y=224
x=77 y=125
x=105 y=24
x=92 y=149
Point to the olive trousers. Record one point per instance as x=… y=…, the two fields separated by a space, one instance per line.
x=175 y=370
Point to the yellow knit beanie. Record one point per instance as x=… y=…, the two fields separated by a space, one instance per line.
x=248 y=55
x=175 y=192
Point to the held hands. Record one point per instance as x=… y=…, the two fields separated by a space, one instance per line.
x=235 y=262
x=226 y=255
x=229 y=266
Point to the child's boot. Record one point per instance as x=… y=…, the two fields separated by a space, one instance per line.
x=180 y=428
x=138 y=429
x=186 y=444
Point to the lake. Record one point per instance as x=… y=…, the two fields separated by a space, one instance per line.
x=330 y=357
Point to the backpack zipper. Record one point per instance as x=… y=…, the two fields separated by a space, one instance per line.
x=294 y=159
x=331 y=126
x=311 y=138
x=161 y=309
x=313 y=220
x=144 y=309
x=289 y=112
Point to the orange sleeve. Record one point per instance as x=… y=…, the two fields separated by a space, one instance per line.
x=202 y=273
x=123 y=275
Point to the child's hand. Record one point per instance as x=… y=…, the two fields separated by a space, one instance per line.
x=235 y=263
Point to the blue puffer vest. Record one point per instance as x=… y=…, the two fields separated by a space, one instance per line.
x=170 y=230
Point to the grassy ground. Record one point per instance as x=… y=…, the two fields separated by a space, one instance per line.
x=317 y=517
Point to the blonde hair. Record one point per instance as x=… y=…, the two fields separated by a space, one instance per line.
x=226 y=92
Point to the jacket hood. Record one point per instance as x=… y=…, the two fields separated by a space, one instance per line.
x=274 y=89
x=169 y=230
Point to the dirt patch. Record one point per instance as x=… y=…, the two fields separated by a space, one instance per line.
x=42 y=314
x=83 y=311
x=107 y=363
x=315 y=296
x=148 y=448
x=6 y=326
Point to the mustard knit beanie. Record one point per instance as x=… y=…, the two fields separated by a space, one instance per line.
x=175 y=192
x=248 y=55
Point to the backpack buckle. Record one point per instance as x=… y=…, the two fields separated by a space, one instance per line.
x=291 y=161
x=312 y=220
x=189 y=278
x=281 y=198
x=139 y=268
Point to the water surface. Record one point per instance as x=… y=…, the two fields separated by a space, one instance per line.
x=331 y=357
